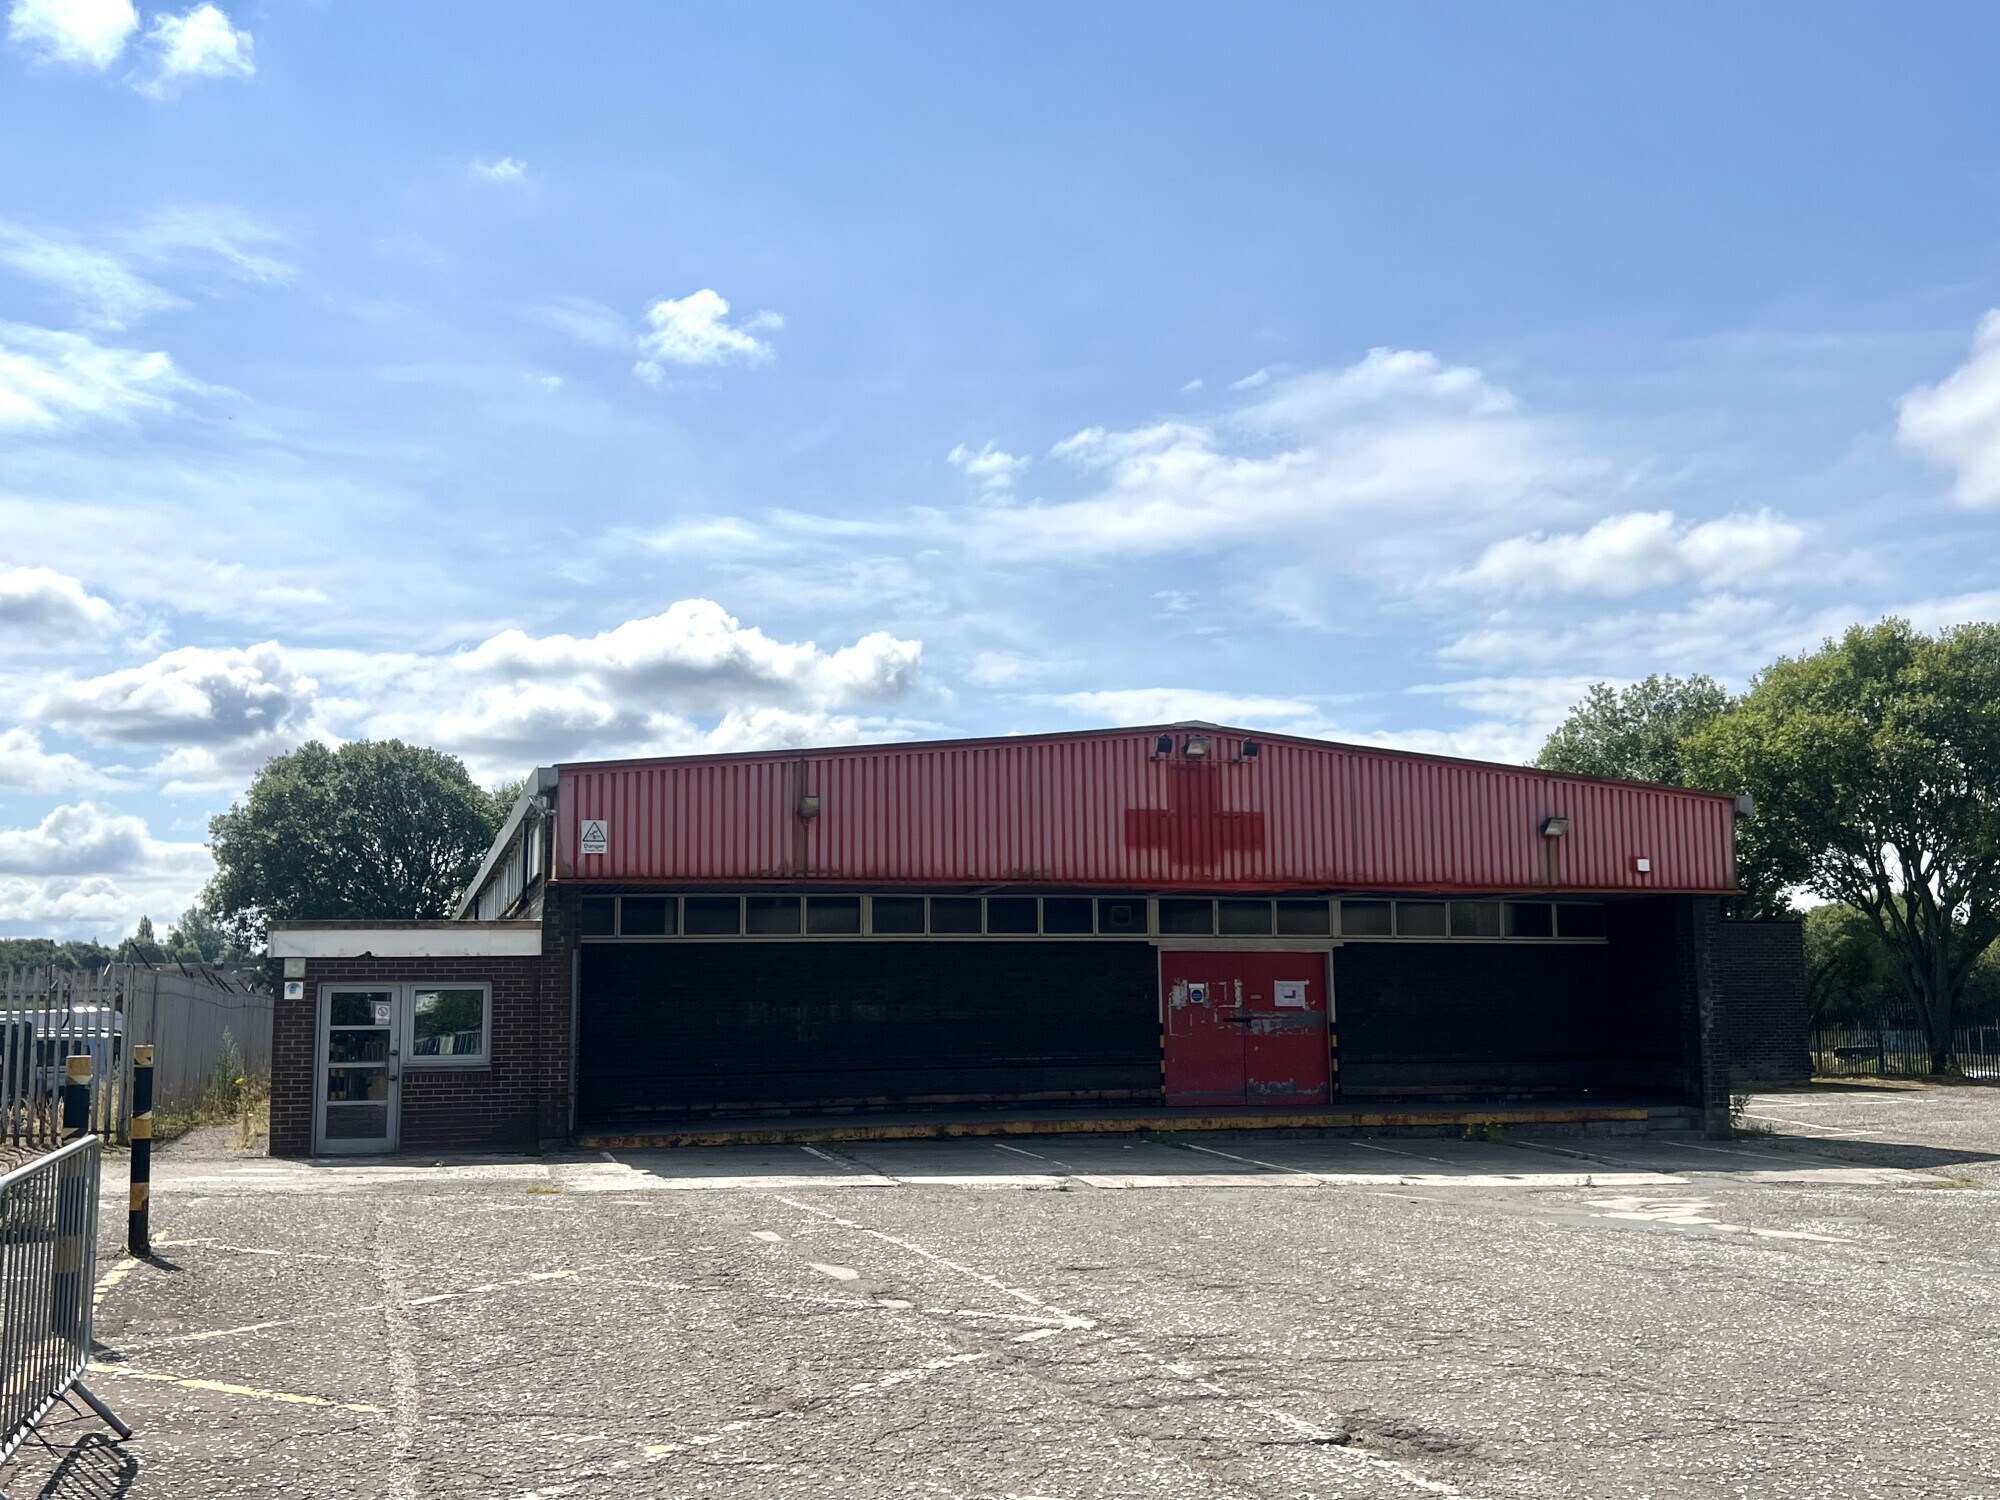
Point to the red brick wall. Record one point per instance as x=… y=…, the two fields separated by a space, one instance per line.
x=520 y=1101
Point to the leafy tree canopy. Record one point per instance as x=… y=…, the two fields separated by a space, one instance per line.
x=374 y=831
x=1875 y=762
x=1636 y=733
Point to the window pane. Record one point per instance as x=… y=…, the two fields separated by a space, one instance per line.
x=447 y=1023
x=772 y=916
x=1420 y=919
x=1180 y=914
x=1243 y=918
x=831 y=915
x=899 y=914
x=371 y=1045
x=1121 y=914
x=1530 y=919
x=1579 y=921
x=645 y=916
x=1475 y=919
x=356 y=1007
x=1010 y=914
x=1304 y=918
x=954 y=914
x=1365 y=919
x=600 y=916
x=711 y=916
x=344 y=1084
x=1066 y=914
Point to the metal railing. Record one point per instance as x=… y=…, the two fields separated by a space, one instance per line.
x=48 y=1248
x=1884 y=1051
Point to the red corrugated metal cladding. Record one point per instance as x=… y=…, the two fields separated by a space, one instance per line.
x=1108 y=809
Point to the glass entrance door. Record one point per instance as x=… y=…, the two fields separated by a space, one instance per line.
x=360 y=1071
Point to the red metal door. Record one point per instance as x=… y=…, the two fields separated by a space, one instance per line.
x=1244 y=1028
x=1284 y=1033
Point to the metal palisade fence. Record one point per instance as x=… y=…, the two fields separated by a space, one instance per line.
x=1884 y=1051
x=198 y=1019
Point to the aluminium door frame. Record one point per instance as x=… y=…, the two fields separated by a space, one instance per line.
x=322 y=1026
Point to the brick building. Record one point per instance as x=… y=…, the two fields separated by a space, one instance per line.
x=1181 y=921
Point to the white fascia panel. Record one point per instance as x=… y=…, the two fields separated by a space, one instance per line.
x=451 y=940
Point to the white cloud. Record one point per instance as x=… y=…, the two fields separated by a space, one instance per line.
x=88 y=32
x=50 y=379
x=195 y=697
x=693 y=330
x=99 y=286
x=643 y=687
x=703 y=658
x=1374 y=468
x=1723 y=634
x=1640 y=550
x=199 y=43
x=1956 y=422
x=26 y=767
x=1006 y=668
x=241 y=241
x=993 y=468
x=501 y=169
x=1251 y=381
x=43 y=602
x=1175 y=705
x=85 y=839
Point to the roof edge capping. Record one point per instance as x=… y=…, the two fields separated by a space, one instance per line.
x=1266 y=736
x=542 y=782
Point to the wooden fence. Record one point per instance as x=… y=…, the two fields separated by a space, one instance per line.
x=197 y=1019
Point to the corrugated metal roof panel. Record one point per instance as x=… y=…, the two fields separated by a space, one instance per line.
x=1104 y=809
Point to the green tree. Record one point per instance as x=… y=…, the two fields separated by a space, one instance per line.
x=1850 y=973
x=1635 y=733
x=141 y=947
x=374 y=831
x=85 y=956
x=1875 y=762
x=197 y=938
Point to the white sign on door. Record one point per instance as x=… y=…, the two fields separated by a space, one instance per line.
x=593 y=836
x=383 y=1012
x=1289 y=993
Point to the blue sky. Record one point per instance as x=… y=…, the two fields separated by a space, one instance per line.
x=544 y=382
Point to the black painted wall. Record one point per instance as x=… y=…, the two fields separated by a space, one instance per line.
x=1498 y=1020
x=678 y=1028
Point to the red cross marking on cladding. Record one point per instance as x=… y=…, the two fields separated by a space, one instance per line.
x=1193 y=827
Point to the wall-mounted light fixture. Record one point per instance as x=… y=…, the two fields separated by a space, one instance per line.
x=1641 y=865
x=1251 y=749
x=1555 y=827
x=1196 y=747
x=809 y=805
x=1746 y=805
x=1164 y=745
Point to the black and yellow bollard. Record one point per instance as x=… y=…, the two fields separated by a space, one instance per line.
x=72 y=1202
x=138 y=1232
x=76 y=1095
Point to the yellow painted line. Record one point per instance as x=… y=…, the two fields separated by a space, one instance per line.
x=1335 y=1119
x=108 y=1282
x=223 y=1387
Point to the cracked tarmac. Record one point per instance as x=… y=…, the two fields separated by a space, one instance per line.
x=1808 y=1313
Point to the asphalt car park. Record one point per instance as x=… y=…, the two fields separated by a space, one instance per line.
x=1807 y=1311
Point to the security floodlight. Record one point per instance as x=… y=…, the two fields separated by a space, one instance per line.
x=1556 y=827
x=1251 y=749
x=1196 y=747
x=1164 y=745
x=809 y=805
